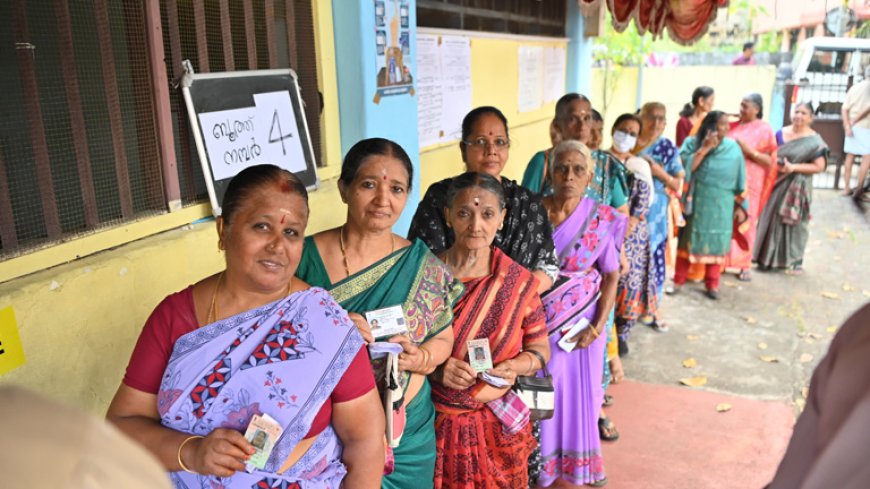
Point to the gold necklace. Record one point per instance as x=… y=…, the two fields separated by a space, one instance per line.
x=344 y=253
x=213 y=310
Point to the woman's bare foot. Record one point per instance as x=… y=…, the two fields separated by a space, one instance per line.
x=616 y=370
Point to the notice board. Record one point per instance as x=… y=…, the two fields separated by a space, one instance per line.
x=247 y=118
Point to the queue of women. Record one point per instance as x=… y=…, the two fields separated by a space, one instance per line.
x=552 y=274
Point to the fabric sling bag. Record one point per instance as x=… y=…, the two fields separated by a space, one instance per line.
x=537 y=393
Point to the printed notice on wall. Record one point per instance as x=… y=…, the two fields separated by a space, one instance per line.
x=265 y=133
x=554 y=73
x=443 y=87
x=530 y=89
x=11 y=351
x=393 y=47
x=429 y=101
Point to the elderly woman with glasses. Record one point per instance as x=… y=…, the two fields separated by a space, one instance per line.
x=526 y=235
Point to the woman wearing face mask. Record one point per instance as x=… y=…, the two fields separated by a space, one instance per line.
x=758 y=144
x=715 y=200
x=636 y=294
x=572 y=121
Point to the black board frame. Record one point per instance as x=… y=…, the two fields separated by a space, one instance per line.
x=210 y=92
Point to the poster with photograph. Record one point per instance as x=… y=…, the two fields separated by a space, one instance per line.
x=393 y=48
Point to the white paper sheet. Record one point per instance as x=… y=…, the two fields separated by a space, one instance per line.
x=554 y=73
x=265 y=133
x=530 y=90
x=429 y=94
x=455 y=84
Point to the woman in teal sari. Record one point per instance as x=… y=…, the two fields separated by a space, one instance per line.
x=715 y=201
x=365 y=267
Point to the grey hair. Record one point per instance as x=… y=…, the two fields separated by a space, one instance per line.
x=571 y=145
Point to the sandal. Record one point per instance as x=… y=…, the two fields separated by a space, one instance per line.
x=607 y=430
x=608 y=400
x=744 y=276
x=598 y=483
x=659 y=327
x=795 y=270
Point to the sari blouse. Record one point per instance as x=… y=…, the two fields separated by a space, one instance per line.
x=503 y=307
x=527 y=236
x=665 y=153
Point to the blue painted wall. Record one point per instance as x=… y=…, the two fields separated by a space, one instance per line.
x=395 y=117
x=579 y=66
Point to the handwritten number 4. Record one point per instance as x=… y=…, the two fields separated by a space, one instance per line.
x=276 y=122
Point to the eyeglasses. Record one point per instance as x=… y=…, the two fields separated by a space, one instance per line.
x=483 y=143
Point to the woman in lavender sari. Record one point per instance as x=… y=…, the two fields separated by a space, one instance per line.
x=588 y=240
x=254 y=340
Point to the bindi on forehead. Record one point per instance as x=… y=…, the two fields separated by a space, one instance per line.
x=477 y=201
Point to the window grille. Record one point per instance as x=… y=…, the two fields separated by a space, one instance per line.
x=536 y=18
x=79 y=145
x=231 y=35
x=78 y=149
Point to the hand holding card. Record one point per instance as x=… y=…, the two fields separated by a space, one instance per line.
x=263 y=432
x=386 y=322
x=479 y=355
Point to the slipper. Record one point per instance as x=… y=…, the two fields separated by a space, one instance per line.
x=659 y=327
x=607 y=430
x=744 y=276
x=598 y=483
x=608 y=400
x=673 y=289
x=794 y=271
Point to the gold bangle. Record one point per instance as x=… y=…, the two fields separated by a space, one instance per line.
x=594 y=331
x=427 y=356
x=180 y=463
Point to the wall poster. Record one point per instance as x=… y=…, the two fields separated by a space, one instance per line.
x=393 y=48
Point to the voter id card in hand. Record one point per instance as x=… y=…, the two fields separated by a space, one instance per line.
x=263 y=432
x=479 y=355
x=386 y=322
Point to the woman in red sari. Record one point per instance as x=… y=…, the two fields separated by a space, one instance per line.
x=483 y=435
x=758 y=143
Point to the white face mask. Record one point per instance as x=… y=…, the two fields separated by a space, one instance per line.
x=624 y=142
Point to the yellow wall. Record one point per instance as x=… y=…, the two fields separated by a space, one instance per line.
x=79 y=321
x=673 y=87
x=494 y=79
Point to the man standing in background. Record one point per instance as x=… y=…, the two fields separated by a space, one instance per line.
x=856 y=123
x=746 y=58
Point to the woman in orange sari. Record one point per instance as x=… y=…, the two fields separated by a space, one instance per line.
x=758 y=143
x=482 y=429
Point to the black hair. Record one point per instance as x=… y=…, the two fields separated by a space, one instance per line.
x=565 y=101
x=362 y=150
x=251 y=180
x=626 y=117
x=808 y=105
x=748 y=45
x=472 y=179
x=596 y=116
x=709 y=124
x=699 y=93
x=471 y=118
x=756 y=99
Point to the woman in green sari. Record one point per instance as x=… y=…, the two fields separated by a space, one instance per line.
x=783 y=229
x=716 y=199
x=366 y=268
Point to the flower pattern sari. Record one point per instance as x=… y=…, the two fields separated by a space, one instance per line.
x=282 y=359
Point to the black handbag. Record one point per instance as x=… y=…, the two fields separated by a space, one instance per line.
x=537 y=393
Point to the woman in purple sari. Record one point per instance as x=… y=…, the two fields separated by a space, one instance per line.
x=588 y=239
x=255 y=342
